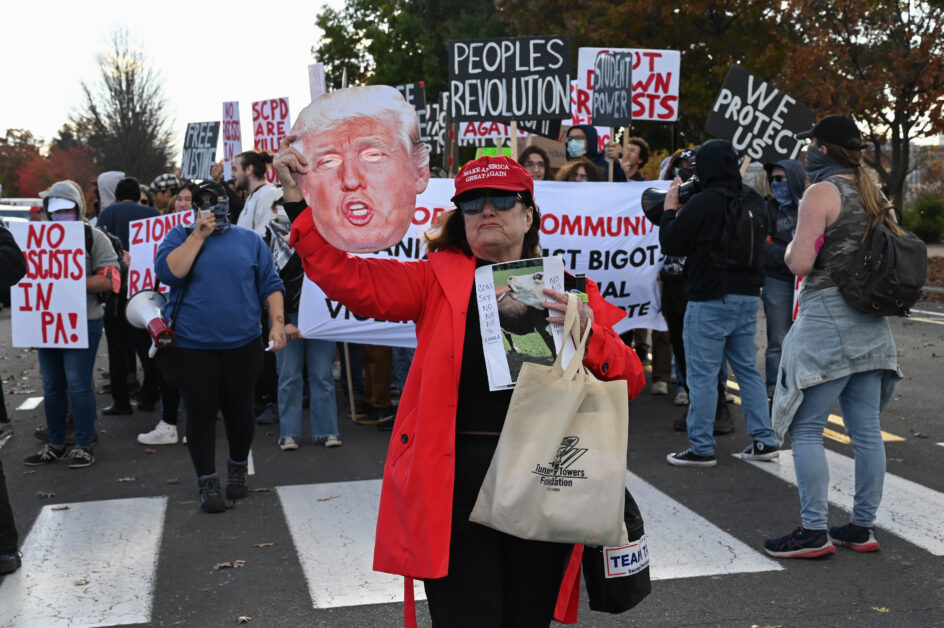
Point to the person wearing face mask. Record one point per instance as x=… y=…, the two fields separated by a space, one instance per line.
x=582 y=141
x=220 y=276
x=787 y=180
x=67 y=373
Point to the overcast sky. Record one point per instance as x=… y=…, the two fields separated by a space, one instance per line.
x=206 y=53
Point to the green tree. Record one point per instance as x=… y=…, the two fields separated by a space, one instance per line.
x=124 y=118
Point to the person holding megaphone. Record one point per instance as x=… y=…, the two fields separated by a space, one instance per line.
x=220 y=276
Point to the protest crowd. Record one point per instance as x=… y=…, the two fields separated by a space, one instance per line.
x=240 y=247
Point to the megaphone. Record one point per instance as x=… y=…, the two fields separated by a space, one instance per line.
x=653 y=199
x=144 y=311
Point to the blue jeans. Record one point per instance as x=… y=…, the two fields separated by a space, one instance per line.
x=715 y=331
x=67 y=374
x=859 y=395
x=778 y=308
x=323 y=406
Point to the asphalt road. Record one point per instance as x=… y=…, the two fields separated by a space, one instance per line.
x=133 y=520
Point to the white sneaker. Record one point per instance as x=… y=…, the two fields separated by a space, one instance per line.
x=332 y=441
x=289 y=443
x=162 y=434
x=660 y=388
x=681 y=398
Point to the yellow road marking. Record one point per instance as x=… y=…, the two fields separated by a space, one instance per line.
x=925 y=320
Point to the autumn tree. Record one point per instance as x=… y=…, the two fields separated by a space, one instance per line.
x=17 y=147
x=124 y=118
x=880 y=61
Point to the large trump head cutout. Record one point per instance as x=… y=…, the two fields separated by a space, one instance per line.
x=366 y=164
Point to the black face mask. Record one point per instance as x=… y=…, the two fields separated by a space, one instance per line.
x=820 y=167
x=685 y=173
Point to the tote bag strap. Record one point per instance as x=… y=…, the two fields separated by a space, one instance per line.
x=572 y=330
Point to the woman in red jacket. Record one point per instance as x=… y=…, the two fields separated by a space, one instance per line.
x=448 y=422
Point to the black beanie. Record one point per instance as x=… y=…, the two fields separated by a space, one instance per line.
x=128 y=189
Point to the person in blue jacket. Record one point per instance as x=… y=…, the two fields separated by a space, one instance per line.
x=220 y=276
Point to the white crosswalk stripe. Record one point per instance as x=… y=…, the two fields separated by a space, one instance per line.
x=908 y=509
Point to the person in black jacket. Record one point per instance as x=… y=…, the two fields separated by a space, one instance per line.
x=12 y=269
x=721 y=316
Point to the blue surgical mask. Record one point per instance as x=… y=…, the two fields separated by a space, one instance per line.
x=781 y=192
x=576 y=148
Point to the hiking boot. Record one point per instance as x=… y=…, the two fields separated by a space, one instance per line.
x=855 y=537
x=759 y=451
x=332 y=441
x=80 y=457
x=236 y=484
x=269 y=415
x=289 y=443
x=660 y=388
x=46 y=455
x=211 y=500
x=162 y=434
x=801 y=543
x=688 y=458
x=10 y=562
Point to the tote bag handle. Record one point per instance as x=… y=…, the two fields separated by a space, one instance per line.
x=572 y=330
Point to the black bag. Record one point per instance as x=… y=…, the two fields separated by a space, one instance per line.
x=628 y=568
x=741 y=246
x=886 y=274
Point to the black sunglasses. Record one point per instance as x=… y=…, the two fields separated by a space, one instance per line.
x=474 y=202
x=778 y=177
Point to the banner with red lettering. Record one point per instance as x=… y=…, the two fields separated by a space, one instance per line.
x=597 y=228
x=49 y=307
x=232 y=137
x=270 y=123
x=144 y=236
x=655 y=83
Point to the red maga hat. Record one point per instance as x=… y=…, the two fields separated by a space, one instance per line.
x=493 y=173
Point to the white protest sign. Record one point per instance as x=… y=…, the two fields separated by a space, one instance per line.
x=598 y=228
x=270 y=123
x=144 y=236
x=316 y=80
x=49 y=307
x=232 y=137
x=655 y=82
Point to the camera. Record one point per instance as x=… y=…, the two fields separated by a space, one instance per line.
x=653 y=199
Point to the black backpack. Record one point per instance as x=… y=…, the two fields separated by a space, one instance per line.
x=886 y=274
x=741 y=246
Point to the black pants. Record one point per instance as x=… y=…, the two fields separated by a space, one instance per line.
x=9 y=542
x=495 y=579
x=211 y=381
x=151 y=385
x=3 y=406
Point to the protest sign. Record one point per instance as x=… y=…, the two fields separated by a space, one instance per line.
x=144 y=236
x=544 y=128
x=199 y=150
x=316 y=80
x=436 y=126
x=757 y=118
x=510 y=78
x=599 y=230
x=415 y=94
x=612 y=89
x=49 y=307
x=655 y=82
x=270 y=123
x=232 y=137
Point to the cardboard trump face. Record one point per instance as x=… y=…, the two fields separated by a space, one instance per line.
x=366 y=164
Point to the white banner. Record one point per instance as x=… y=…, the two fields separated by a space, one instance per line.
x=598 y=228
x=49 y=307
x=655 y=83
x=144 y=236
x=232 y=137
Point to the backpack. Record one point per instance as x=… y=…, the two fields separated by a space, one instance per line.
x=886 y=274
x=109 y=298
x=741 y=246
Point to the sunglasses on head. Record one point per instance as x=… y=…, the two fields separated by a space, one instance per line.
x=474 y=202
x=778 y=177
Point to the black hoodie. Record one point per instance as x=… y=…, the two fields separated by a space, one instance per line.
x=696 y=230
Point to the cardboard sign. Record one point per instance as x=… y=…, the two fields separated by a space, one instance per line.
x=232 y=137
x=550 y=129
x=436 y=134
x=415 y=94
x=49 y=307
x=757 y=118
x=199 y=150
x=270 y=123
x=316 y=80
x=144 y=236
x=509 y=78
x=612 y=89
x=609 y=239
x=655 y=82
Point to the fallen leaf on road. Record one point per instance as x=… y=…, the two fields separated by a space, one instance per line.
x=260 y=490
x=173 y=481
x=29 y=473
x=81 y=583
x=186 y=501
x=148 y=450
x=60 y=508
x=235 y=564
x=44 y=494
x=243 y=619
x=896 y=459
x=263 y=544
x=920 y=435
x=880 y=609
x=765 y=626
x=130 y=478
x=327 y=499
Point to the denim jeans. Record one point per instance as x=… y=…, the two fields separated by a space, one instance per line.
x=323 y=406
x=67 y=374
x=778 y=308
x=715 y=331
x=859 y=395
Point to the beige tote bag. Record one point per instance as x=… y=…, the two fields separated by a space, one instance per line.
x=559 y=471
